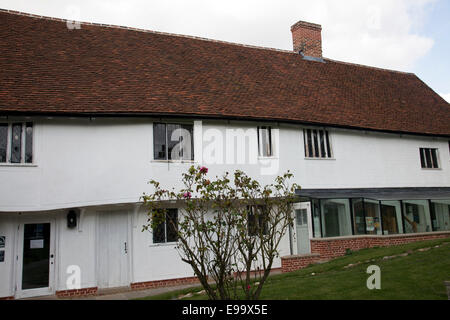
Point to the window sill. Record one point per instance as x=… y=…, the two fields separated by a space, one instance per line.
x=165 y=244
x=332 y=159
x=431 y=169
x=268 y=158
x=24 y=165
x=173 y=161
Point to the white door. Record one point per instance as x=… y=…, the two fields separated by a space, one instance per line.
x=113 y=249
x=35 y=258
x=302 y=216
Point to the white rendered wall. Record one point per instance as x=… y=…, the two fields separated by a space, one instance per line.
x=81 y=163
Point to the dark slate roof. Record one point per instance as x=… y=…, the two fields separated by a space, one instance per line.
x=46 y=68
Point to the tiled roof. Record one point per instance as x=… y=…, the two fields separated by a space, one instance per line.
x=47 y=68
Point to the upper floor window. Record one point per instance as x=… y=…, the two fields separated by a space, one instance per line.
x=429 y=158
x=16 y=142
x=172 y=141
x=317 y=143
x=265 y=148
x=167 y=230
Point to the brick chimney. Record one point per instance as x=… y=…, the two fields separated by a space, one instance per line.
x=307 y=37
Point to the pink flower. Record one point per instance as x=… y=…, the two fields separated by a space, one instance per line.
x=248 y=287
x=203 y=170
x=187 y=195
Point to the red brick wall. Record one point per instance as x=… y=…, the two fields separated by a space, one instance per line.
x=335 y=247
x=328 y=248
x=77 y=292
x=307 y=36
x=163 y=283
x=292 y=263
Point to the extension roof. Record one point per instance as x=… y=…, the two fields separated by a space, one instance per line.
x=47 y=68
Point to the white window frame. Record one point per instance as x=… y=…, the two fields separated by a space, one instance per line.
x=22 y=144
x=328 y=145
x=437 y=158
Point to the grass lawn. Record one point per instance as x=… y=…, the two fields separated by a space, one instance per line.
x=419 y=275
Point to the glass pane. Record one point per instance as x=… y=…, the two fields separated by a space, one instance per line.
x=187 y=142
x=440 y=215
x=16 y=143
x=265 y=141
x=416 y=214
x=29 y=143
x=316 y=144
x=322 y=144
x=159 y=141
x=434 y=158
x=359 y=225
x=422 y=158
x=336 y=217
x=428 y=158
x=174 y=151
x=392 y=217
x=3 y=141
x=310 y=148
x=316 y=218
x=172 y=225
x=372 y=218
x=158 y=233
x=36 y=256
x=328 y=144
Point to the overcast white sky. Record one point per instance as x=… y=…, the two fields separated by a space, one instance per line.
x=392 y=34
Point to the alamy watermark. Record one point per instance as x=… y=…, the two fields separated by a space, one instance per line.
x=374 y=281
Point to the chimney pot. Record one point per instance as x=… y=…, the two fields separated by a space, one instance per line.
x=307 y=38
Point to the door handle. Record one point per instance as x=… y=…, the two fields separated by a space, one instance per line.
x=125 y=246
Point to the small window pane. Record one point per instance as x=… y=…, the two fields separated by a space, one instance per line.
x=159 y=141
x=422 y=158
x=16 y=143
x=328 y=144
x=416 y=214
x=322 y=144
x=434 y=158
x=173 y=139
x=158 y=233
x=310 y=148
x=428 y=158
x=3 y=141
x=29 y=143
x=265 y=141
x=316 y=144
x=359 y=222
x=172 y=225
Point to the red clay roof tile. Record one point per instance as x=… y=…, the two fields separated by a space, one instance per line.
x=47 y=68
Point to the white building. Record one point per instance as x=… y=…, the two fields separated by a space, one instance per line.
x=86 y=117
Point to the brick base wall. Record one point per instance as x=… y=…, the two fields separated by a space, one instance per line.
x=77 y=292
x=329 y=248
x=292 y=263
x=163 y=283
x=6 y=298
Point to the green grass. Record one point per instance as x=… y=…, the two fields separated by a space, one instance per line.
x=420 y=275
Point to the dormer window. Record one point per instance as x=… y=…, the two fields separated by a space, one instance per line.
x=16 y=142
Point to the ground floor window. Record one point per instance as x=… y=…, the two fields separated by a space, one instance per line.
x=416 y=215
x=336 y=218
x=167 y=230
x=357 y=216
x=440 y=215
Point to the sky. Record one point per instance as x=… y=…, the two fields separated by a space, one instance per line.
x=404 y=35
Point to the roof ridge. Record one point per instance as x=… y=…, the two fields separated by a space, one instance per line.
x=369 y=67
x=31 y=15
x=115 y=26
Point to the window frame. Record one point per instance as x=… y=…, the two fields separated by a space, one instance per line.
x=23 y=143
x=254 y=231
x=432 y=158
x=270 y=137
x=167 y=211
x=317 y=141
x=166 y=124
